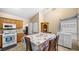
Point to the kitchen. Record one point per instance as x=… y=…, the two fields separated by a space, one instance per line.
x=36 y=20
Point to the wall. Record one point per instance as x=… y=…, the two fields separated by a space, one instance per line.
x=78 y=10
x=41 y=19
x=54 y=17
x=25 y=21
x=35 y=18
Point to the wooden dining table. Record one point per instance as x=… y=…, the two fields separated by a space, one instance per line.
x=39 y=40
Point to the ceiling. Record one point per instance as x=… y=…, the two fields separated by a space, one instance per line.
x=21 y=12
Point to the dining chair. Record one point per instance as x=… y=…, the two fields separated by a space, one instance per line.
x=49 y=32
x=52 y=45
x=56 y=40
x=35 y=32
x=28 y=44
x=46 y=46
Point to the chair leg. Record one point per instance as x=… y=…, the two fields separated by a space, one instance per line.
x=26 y=47
x=57 y=48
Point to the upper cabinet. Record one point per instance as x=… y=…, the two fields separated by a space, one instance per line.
x=19 y=23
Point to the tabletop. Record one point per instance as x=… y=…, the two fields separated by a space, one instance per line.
x=39 y=38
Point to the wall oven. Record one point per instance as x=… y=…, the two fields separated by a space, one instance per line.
x=9 y=35
x=9 y=38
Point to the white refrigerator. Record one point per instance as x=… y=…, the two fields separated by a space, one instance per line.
x=69 y=32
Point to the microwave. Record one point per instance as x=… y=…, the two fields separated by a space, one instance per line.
x=9 y=26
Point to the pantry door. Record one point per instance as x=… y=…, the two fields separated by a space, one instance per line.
x=35 y=27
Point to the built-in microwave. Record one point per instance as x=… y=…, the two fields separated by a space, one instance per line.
x=9 y=26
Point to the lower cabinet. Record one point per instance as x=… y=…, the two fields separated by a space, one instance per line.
x=0 y=41
x=19 y=37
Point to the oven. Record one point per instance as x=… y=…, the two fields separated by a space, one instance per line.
x=9 y=38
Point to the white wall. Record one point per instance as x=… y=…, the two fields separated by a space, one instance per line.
x=54 y=17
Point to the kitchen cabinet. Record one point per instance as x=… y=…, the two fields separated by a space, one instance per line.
x=0 y=41
x=19 y=37
x=19 y=23
x=1 y=20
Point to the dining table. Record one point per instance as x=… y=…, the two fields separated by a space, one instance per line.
x=39 y=40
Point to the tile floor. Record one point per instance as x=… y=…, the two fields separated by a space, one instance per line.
x=20 y=47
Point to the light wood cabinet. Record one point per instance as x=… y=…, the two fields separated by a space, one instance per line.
x=0 y=41
x=19 y=37
x=19 y=23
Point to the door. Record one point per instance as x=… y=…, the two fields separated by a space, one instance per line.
x=30 y=28
x=35 y=27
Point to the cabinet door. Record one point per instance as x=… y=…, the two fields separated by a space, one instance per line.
x=19 y=24
x=19 y=37
x=1 y=20
x=0 y=41
x=1 y=23
x=16 y=24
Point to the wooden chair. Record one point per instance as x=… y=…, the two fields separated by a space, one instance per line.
x=35 y=32
x=28 y=44
x=49 y=32
x=53 y=44
x=46 y=47
x=56 y=40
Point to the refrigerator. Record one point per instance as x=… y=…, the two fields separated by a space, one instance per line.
x=69 y=32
